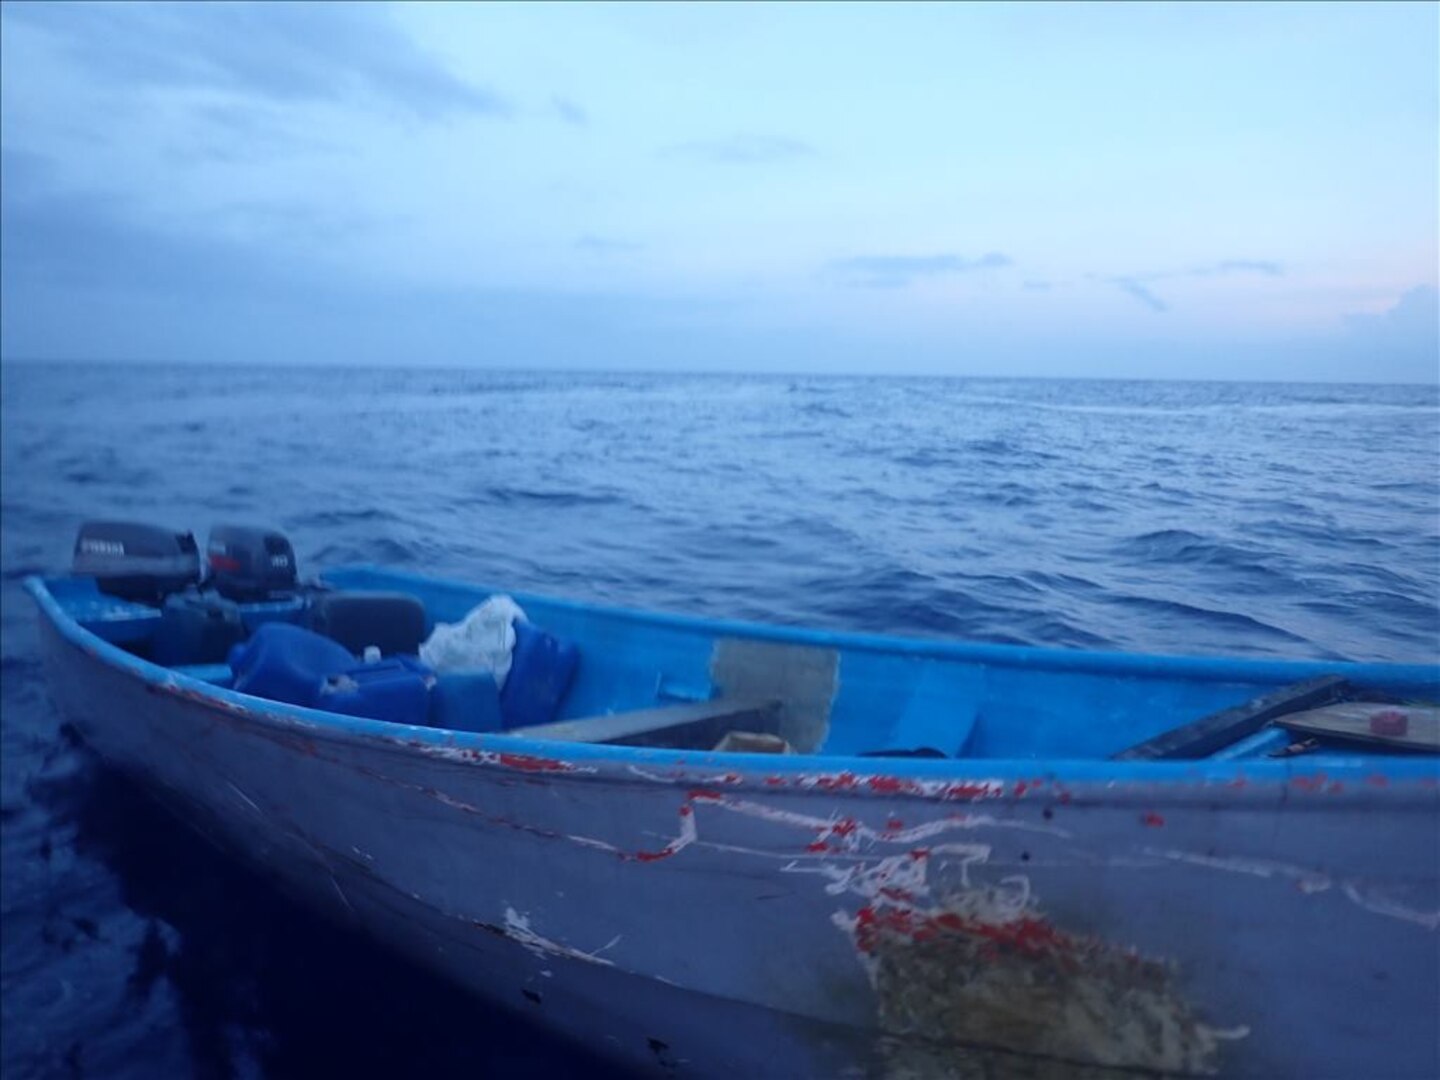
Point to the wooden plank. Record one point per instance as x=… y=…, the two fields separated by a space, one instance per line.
x=693 y=725
x=1351 y=722
x=1210 y=733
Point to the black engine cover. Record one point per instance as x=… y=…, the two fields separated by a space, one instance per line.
x=250 y=564
x=136 y=561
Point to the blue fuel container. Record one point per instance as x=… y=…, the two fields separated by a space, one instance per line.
x=465 y=701
x=397 y=690
x=287 y=663
x=541 y=670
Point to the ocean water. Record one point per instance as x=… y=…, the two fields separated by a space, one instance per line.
x=1248 y=519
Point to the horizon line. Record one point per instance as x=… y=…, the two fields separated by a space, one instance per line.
x=201 y=364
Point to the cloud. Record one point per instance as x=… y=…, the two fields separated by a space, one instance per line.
x=286 y=53
x=1137 y=285
x=570 y=112
x=235 y=133
x=893 y=271
x=1133 y=287
x=606 y=245
x=1242 y=266
x=72 y=243
x=743 y=150
x=1412 y=321
x=70 y=239
x=1037 y=286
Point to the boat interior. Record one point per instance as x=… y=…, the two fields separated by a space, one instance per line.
x=582 y=673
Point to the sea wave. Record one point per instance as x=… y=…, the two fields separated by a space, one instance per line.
x=1268 y=520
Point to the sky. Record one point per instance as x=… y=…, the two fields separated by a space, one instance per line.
x=1128 y=190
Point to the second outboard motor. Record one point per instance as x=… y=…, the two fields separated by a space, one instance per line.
x=249 y=564
x=136 y=561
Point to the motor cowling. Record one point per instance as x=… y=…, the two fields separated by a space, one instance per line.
x=250 y=564
x=136 y=561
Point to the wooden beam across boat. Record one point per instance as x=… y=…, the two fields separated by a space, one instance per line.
x=1415 y=727
x=693 y=725
x=1217 y=730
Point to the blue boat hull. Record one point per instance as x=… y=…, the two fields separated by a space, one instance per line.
x=814 y=915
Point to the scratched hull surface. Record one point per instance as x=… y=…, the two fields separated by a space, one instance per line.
x=686 y=911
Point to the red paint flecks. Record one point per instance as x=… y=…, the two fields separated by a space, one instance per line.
x=842 y=829
x=969 y=789
x=775 y=781
x=687 y=812
x=1021 y=787
x=888 y=785
x=1025 y=935
x=1152 y=819
x=528 y=763
x=707 y=794
x=837 y=781
x=894 y=824
x=1309 y=783
x=870 y=924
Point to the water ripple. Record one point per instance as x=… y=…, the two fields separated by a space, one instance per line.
x=1263 y=520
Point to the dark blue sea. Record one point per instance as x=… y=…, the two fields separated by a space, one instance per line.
x=1258 y=520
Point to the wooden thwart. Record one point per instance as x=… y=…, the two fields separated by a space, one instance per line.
x=1211 y=733
x=1351 y=722
x=693 y=725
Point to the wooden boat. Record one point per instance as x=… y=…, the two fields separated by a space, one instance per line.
x=978 y=860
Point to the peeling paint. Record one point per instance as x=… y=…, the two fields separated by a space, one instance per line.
x=943 y=790
x=531 y=763
x=1365 y=895
x=245 y=798
x=1380 y=905
x=981 y=966
x=955 y=976
x=684 y=839
x=517 y=928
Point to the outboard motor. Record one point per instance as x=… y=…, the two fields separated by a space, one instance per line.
x=135 y=561
x=249 y=564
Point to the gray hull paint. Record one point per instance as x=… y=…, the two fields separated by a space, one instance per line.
x=695 y=921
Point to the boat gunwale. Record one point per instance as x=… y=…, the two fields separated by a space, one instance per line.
x=1100 y=662
x=1099 y=781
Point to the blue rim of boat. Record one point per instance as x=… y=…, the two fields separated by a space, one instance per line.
x=830 y=772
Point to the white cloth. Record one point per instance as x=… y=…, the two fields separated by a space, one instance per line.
x=482 y=641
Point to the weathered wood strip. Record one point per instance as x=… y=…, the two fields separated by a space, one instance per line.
x=694 y=724
x=1210 y=733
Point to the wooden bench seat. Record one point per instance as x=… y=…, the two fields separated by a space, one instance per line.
x=690 y=726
